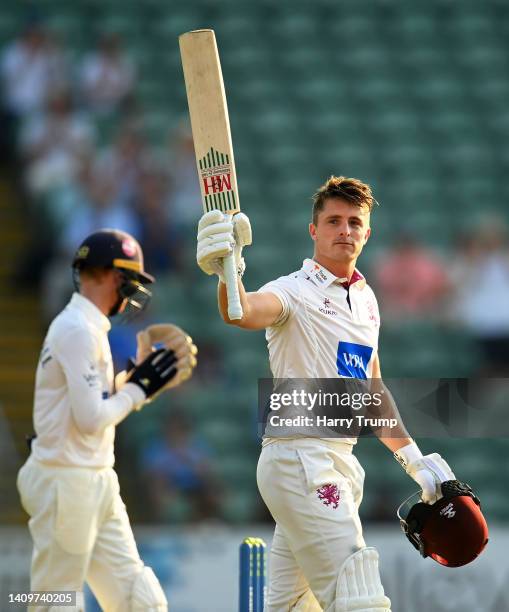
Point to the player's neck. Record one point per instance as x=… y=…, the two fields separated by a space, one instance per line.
x=339 y=269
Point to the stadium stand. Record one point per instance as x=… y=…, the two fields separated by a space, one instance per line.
x=411 y=98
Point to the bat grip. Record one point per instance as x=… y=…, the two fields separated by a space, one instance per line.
x=232 y=288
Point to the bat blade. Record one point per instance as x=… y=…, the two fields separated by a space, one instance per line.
x=210 y=122
x=210 y=125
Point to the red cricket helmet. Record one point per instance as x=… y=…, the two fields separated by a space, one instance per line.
x=452 y=531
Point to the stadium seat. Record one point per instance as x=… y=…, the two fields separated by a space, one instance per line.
x=402 y=95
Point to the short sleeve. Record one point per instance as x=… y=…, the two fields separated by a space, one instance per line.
x=285 y=289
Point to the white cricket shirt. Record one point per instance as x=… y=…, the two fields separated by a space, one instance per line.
x=327 y=329
x=75 y=412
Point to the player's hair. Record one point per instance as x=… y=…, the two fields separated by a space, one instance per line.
x=351 y=190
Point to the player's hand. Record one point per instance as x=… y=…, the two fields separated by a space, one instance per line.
x=219 y=235
x=154 y=372
x=428 y=471
x=173 y=338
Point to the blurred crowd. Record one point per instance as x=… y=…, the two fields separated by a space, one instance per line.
x=467 y=289
x=177 y=469
x=75 y=133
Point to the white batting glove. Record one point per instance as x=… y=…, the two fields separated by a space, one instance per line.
x=428 y=471
x=220 y=234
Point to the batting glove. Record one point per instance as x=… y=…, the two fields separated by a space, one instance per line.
x=219 y=235
x=428 y=471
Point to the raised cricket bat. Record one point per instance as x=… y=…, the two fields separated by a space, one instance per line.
x=212 y=138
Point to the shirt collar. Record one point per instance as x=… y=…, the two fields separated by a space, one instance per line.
x=323 y=278
x=93 y=314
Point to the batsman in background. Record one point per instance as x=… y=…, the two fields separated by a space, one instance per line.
x=313 y=486
x=78 y=521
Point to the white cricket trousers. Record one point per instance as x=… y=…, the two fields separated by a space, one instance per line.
x=316 y=529
x=80 y=531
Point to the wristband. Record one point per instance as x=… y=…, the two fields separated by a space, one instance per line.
x=408 y=454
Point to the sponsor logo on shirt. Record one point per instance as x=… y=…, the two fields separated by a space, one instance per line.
x=353 y=359
x=45 y=356
x=92 y=376
x=91 y=379
x=319 y=274
x=326 y=309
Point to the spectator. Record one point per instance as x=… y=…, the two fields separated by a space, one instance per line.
x=54 y=143
x=480 y=287
x=158 y=236
x=32 y=66
x=126 y=161
x=185 y=196
x=107 y=76
x=411 y=281
x=98 y=203
x=106 y=206
x=177 y=470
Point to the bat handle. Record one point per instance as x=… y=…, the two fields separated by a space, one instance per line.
x=232 y=288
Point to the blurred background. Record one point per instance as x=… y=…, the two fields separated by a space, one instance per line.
x=409 y=97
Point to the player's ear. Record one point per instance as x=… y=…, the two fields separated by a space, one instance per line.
x=368 y=234
x=312 y=231
x=117 y=278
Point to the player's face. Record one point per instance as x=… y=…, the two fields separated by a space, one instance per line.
x=117 y=281
x=341 y=231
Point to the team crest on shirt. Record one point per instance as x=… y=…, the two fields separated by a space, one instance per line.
x=328 y=494
x=353 y=359
x=326 y=309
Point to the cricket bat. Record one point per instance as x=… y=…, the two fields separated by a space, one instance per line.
x=212 y=138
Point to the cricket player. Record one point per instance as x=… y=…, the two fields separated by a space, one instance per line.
x=78 y=522
x=321 y=321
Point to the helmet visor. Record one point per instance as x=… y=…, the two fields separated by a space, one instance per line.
x=136 y=294
x=404 y=508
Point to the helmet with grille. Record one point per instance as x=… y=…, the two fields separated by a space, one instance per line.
x=452 y=531
x=112 y=248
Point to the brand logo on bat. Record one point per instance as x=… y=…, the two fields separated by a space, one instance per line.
x=217 y=184
x=215 y=173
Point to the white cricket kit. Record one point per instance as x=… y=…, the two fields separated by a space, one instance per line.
x=326 y=330
x=74 y=415
x=78 y=522
x=313 y=486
